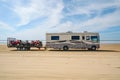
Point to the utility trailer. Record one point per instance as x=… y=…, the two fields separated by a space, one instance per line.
x=65 y=41
x=23 y=45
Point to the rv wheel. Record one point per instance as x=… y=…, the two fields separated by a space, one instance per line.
x=65 y=48
x=93 y=48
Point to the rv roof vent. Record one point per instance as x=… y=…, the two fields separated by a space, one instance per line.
x=69 y=32
x=85 y=31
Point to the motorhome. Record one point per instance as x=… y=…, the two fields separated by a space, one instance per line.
x=69 y=40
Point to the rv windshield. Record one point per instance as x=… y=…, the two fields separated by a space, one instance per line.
x=95 y=38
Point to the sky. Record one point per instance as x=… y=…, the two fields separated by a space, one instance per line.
x=32 y=19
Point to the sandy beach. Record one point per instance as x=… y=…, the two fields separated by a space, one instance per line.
x=103 y=64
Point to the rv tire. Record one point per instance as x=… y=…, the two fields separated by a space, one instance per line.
x=65 y=48
x=93 y=48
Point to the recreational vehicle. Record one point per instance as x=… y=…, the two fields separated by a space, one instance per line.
x=68 y=40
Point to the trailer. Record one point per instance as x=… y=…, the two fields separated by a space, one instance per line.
x=23 y=45
x=65 y=41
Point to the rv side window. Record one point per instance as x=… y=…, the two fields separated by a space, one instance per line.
x=54 y=37
x=75 y=37
x=87 y=37
x=94 y=38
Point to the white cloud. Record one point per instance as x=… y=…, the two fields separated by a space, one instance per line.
x=102 y=23
x=52 y=10
x=5 y=26
x=97 y=24
x=87 y=7
x=38 y=9
x=54 y=15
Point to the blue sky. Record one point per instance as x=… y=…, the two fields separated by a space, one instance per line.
x=32 y=19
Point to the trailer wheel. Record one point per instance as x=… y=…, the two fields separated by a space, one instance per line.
x=29 y=48
x=21 y=48
x=93 y=48
x=18 y=48
x=65 y=48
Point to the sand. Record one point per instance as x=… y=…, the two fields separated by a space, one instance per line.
x=103 y=64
